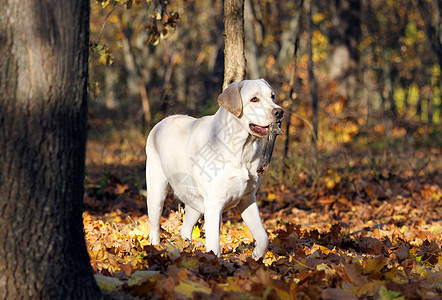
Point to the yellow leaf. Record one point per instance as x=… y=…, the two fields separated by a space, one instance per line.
x=108 y=284
x=396 y=275
x=323 y=249
x=231 y=285
x=269 y=258
x=139 y=232
x=283 y=295
x=138 y=277
x=171 y=249
x=247 y=233
x=95 y=90
x=325 y=268
x=157 y=15
x=399 y=218
x=369 y=289
x=196 y=234
x=190 y=262
x=271 y=196
x=338 y=107
x=187 y=287
x=419 y=270
x=143 y=242
x=105 y=59
x=144 y=227
x=435 y=228
x=374 y=265
x=332 y=179
x=318 y=17
x=114 y=19
x=104 y=3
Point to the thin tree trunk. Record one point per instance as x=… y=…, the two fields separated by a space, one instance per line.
x=312 y=79
x=43 y=111
x=295 y=24
x=290 y=39
x=136 y=84
x=419 y=106
x=431 y=14
x=110 y=79
x=251 y=48
x=234 y=59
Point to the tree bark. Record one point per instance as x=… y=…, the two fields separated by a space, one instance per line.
x=136 y=86
x=43 y=111
x=295 y=29
x=234 y=59
x=251 y=50
x=312 y=79
x=344 y=37
x=431 y=14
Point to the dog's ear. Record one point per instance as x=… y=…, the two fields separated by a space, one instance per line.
x=265 y=81
x=231 y=100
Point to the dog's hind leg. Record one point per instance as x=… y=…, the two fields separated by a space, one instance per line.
x=157 y=184
x=190 y=218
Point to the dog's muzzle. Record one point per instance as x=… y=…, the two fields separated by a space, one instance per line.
x=278 y=113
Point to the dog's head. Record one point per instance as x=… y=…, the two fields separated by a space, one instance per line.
x=253 y=103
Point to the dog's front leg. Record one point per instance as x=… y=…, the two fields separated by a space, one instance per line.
x=250 y=214
x=212 y=226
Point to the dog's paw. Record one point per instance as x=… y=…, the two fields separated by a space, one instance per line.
x=154 y=241
x=260 y=249
x=186 y=237
x=216 y=252
x=154 y=238
x=259 y=253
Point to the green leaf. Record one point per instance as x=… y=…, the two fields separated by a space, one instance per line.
x=385 y=294
x=108 y=284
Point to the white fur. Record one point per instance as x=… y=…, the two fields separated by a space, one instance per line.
x=211 y=164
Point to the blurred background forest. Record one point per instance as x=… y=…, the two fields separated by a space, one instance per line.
x=376 y=66
x=365 y=75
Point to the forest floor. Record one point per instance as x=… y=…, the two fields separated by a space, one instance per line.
x=360 y=220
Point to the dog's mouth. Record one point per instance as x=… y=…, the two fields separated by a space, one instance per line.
x=260 y=131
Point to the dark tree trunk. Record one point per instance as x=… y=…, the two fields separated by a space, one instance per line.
x=234 y=59
x=43 y=106
x=295 y=26
x=431 y=14
x=344 y=37
x=312 y=79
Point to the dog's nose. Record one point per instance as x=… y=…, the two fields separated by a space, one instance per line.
x=278 y=113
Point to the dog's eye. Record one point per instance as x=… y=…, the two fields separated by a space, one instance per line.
x=254 y=99
x=273 y=96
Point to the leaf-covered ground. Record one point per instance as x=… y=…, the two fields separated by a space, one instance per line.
x=352 y=224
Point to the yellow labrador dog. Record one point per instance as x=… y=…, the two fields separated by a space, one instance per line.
x=211 y=162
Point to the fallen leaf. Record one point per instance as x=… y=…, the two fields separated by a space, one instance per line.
x=187 y=288
x=337 y=294
x=108 y=284
x=196 y=233
x=138 y=277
